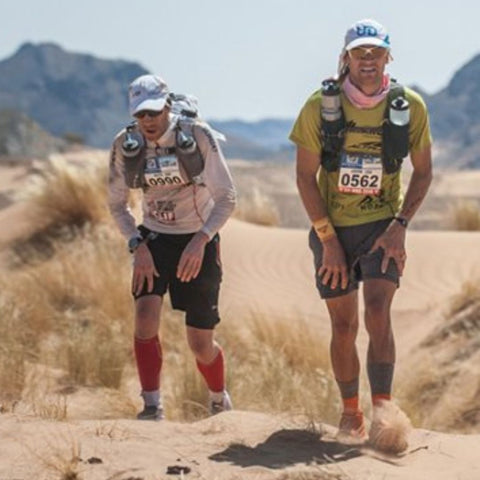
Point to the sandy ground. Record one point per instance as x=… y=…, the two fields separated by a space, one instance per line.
x=268 y=271
x=231 y=446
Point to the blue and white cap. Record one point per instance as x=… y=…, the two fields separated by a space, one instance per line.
x=148 y=92
x=366 y=32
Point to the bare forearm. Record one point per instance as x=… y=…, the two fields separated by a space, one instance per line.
x=417 y=190
x=311 y=198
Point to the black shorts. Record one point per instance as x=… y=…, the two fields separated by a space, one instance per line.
x=356 y=242
x=198 y=298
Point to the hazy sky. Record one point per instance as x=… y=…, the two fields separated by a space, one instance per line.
x=249 y=59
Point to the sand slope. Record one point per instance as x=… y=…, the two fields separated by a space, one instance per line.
x=270 y=271
x=267 y=271
x=233 y=445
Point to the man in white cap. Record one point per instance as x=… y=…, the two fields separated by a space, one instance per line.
x=187 y=195
x=351 y=138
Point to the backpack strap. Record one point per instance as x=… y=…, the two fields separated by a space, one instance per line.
x=332 y=133
x=395 y=138
x=133 y=150
x=187 y=150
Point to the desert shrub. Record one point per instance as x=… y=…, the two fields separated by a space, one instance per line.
x=465 y=216
x=258 y=208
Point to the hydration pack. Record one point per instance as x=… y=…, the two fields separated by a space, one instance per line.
x=395 y=134
x=133 y=145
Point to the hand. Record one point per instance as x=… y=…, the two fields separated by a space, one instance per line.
x=143 y=269
x=192 y=258
x=334 y=265
x=392 y=241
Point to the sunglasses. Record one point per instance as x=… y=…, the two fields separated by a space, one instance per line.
x=150 y=113
x=360 y=53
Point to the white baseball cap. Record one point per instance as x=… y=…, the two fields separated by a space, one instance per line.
x=366 y=32
x=148 y=92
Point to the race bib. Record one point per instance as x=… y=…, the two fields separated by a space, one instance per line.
x=163 y=171
x=360 y=174
x=163 y=211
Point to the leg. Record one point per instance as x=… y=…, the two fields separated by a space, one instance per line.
x=343 y=351
x=202 y=344
x=346 y=366
x=378 y=295
x=147 y=316
x=148 y=353
x=209 y=357
x=390 y=426
x=210 y=363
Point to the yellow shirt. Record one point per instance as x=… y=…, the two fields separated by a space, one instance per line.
x=345 y=209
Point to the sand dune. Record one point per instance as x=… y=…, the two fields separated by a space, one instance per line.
x=268 y=271
x=231 y=446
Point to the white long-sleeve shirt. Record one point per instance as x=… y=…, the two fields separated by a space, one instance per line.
x=170 y=204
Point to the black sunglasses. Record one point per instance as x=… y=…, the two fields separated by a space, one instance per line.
x=150 y=113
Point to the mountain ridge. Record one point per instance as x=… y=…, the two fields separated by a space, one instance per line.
x=76 y=93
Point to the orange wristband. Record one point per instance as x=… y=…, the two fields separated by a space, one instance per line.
x=324 y=229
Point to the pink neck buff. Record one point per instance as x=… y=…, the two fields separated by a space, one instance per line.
x=362 y=101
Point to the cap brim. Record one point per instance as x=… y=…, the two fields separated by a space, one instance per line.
x=155 y=104
x=376 y=42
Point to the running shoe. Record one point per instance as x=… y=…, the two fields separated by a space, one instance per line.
x=151 y=412
x=219 y=402
x=390 y=428
x=351 y=430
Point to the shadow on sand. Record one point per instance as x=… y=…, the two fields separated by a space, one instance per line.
x=285 y=448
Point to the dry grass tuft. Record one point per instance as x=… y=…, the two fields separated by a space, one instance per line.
x=112 y=431
x=63 y=199
x=257 y=207
x=67 y=194
x=444 y=392
x=465 y=216
x=62 y=462
x=468 y=295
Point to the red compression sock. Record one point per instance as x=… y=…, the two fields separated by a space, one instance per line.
x=214 y=373
x=148 y=353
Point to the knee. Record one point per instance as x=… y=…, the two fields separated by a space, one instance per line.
x=345 y=328
x=202 y=348
x=146 y=323
x=377 y=318
x=377 y=308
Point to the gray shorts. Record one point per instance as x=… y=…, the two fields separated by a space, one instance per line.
x=356 y=242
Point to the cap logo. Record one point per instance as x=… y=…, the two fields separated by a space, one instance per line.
x=366 y=31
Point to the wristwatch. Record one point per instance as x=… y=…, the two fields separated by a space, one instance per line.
x=134 y=243
x=402 y=221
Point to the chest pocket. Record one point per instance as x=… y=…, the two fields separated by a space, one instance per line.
x=163 y=171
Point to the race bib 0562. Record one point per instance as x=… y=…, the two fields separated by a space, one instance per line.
x=360 y=174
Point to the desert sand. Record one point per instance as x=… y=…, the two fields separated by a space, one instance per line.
x=268 y=271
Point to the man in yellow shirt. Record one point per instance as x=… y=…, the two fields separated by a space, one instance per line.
x=351 y=137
